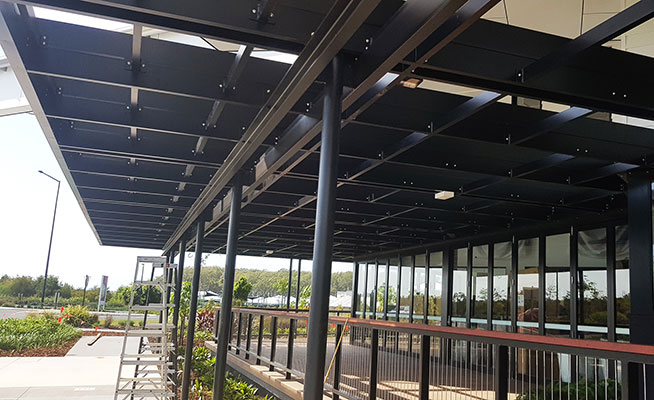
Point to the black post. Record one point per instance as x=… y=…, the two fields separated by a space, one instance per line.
x=228 y=288
x=273 y=342
x=260 y=339
x=248 y=340
x=54 y=216
x=297 y=289
x=424 y=367
x=501 y=372
x=374 y=355
x=193 y=306
x=177 y=299
x=86 y=284
x=238 y=333
x=324 y=234
x=290 y=279
x=289 y=350
x=337 y=362
x=641 y=279
x=355 y=288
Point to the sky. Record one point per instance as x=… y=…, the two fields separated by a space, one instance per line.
x=26 y=208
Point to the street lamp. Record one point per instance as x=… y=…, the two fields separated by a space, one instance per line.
x=47 y=263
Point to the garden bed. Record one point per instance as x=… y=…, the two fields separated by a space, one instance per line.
x=58 y=351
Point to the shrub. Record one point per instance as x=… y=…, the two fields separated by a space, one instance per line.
x=202 y=336
x=582 y=390
x=34 y=332
x=205 y=320
x=75 y=315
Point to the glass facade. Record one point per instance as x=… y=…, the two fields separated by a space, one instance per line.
x=505 y=284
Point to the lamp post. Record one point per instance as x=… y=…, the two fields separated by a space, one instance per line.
x=47 y=263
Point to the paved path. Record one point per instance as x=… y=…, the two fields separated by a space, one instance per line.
x=86 y=372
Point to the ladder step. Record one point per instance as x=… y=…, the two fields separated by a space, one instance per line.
x=157 y=325
x=153 y=283
x=145 y=392
x=146 y=362
x=144 y=332
x=144 y=356
x=149 y=307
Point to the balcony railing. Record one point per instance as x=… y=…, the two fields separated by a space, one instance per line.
x=368 y=359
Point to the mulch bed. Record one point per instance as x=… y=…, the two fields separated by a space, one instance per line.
x=56 y=351
x=41 y=351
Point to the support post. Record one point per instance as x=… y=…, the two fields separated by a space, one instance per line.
x=248 y=340
x=289 y=349
x=290 y=279
x=374 y=355
x=228 y=288
x=324 y=234
x=260 y=339
x=337 y=363
x=355 y=289
x=273 y=342
x=424 y=368
x=193 y=306
x=641 y=276
x=297 y=289
x=501 y=372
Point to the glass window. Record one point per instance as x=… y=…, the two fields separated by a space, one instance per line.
x=501 y=281
x=460 y=282
x=419 y=288
x=381 y=288
x=435 y=287
x=622 y=298
x=592 y=306
x=405 y=289
x=557 y=284
x=528 y=283
x=370 y=292
x=393 y=277
x=361 y=289
x=479 y=282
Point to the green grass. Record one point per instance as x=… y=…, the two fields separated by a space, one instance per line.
x=18 y=335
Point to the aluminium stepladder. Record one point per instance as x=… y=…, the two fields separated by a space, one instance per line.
x=149 y=372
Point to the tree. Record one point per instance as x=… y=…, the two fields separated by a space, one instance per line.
x=282 y=286
x=242 y=290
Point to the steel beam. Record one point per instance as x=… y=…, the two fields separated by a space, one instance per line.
x=228 y=290
x=193 y=306
x=336 y=29
x=322 y=251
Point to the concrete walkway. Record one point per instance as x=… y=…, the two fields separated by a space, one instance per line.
x=86 y=372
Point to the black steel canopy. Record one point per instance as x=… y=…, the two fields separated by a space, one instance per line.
x=150 y=132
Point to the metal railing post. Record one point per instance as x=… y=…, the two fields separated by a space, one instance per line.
x=374 y=353
x=248 y=339
x=289 y=352
x=273 y=342
x=424 y=367
x=337 y=362
x=501 y=372
x=215 y=325
x=238 y=333
x=260 y=339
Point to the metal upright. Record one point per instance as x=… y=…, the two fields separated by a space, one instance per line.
x=193 y=306
x=228 y=289
x=324 y=235
x=153 y=375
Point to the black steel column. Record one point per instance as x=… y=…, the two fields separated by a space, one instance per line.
x=541 y=285
x=290 y=280
x=641 y=276
x=446 y=288
x=178 y=286
x=425 y=313
x=193 y=306
x=375 y=291
x=355 y=288
x=574 y=283
x=513 y=288
x=365 y=292
x=324 y=234
x=610 y=282
x=297 y=289
x=228 y=288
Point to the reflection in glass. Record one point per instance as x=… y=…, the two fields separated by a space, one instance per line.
x=370 y=292
x=419 y=288
x=361 y=289
x=622 y=298
x=501 y=281
x=528 y=281
x=479 y=282
x=557 y=280
x=381 y=289
x=405 y=289
x=435 y=287
x=459 y=282
x=592 y=278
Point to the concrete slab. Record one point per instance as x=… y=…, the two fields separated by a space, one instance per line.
x=29 y=372
x=67 y=392
x=106 y=346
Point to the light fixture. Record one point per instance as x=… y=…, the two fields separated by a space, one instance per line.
x=411 y=83
x=269 y=252
x=443 y=195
